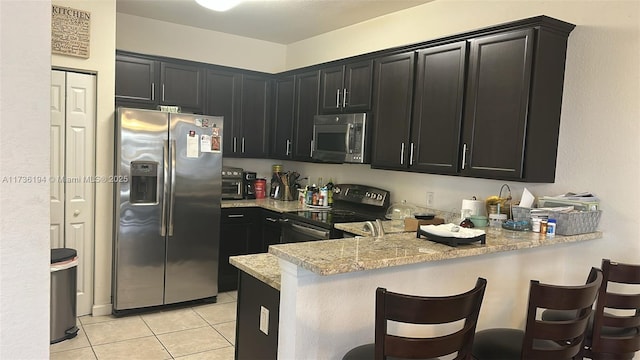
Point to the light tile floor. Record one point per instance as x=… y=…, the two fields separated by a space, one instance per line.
x=188 y=333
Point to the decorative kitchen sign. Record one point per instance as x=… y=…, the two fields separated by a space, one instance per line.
x=70 y=31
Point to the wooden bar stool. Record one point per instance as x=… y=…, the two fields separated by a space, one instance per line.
x=544 y=339
x=614 y=327
x=423 y=310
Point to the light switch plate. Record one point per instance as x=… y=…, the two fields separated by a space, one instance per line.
x=264 y=320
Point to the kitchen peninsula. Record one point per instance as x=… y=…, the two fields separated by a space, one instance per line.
x=326 y=288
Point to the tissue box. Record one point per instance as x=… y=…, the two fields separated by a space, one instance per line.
x=412 y=224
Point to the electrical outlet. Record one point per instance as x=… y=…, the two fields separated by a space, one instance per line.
x=429 y=199
x=264 y=320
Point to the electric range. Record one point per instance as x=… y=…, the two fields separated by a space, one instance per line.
x=351 y=203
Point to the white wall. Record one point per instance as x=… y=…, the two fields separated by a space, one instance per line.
x=25 y=74
x=154 y=37
x=102 y=63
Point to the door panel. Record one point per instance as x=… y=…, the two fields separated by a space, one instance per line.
x=192 y=239
x=437 y=115
x=80 y=185
x=57 y=133
x=497 y=104
x=393 y=92
x=139 y=255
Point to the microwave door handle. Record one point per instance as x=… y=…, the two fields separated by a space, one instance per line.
x=347 y=140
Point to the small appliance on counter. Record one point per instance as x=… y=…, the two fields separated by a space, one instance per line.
x=249 y=185
x=232 y=184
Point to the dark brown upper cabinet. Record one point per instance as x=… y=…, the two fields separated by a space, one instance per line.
x=253 y=140
x=513 y=102
x=182 y=85
x=306 y=107
x=136 y=80
x=147 y=83
x=223 y=99
x=392 y=99
x=437 y=110
x=244 y=102
x=346 y=88
x=283 y=118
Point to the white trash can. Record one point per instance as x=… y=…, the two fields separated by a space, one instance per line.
x=64 y=278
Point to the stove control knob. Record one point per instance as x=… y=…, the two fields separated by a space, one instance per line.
x=379 y=196
x=367 y=194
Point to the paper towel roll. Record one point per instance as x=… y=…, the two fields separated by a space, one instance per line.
x=477 y=207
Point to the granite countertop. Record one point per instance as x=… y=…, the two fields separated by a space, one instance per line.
x=329 y=257
x=264 y=267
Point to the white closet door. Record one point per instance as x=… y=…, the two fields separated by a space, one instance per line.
x=58 y=115
x=76 y=165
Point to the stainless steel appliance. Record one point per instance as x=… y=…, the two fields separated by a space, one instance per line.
x=340 y=138
x=232 y=183
x=351 y=203
x=249 y=186
x=167 y=208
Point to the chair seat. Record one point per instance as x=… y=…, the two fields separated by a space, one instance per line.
x=503 y=344
x=366 y=352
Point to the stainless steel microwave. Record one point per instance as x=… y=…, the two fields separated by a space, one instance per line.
x=340 y=138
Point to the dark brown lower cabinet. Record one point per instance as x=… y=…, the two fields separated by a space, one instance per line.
x=254 y=296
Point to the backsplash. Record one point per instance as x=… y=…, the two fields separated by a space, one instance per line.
x=448 y=191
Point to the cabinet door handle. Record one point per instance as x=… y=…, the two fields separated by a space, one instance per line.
x=271 y=219
x=464 y=155
x=311 y=154
x=243 y=144
x=235 y=142
x=288 y=152
x=411 y=155
x=235 y=216
x=338 y=99
x=402 y=154
x=344 y=97
x=153 y=91
x=162 y=92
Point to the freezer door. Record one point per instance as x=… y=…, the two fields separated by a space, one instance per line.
x=194 y=214
x=139 y=246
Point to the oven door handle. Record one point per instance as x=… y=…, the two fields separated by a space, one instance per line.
x=322 y=234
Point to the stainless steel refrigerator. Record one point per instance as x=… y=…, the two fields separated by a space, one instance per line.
x=167 y=208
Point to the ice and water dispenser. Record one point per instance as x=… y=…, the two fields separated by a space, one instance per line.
x=144 y=182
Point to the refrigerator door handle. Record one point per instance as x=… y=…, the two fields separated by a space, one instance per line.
x=165 y=187
x=173 y=187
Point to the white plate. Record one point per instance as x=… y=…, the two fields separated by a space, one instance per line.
x=317 y=206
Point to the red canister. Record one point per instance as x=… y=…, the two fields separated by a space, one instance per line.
x=260 y=186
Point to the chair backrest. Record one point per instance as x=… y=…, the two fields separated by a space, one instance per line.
x=568 y=335
x=616 y=319
x=444 y=310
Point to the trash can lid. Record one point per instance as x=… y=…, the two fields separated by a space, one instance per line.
x=62 y=254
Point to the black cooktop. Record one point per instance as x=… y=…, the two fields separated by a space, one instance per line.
x=352 y=203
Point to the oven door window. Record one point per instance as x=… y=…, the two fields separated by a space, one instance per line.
x=293 y=231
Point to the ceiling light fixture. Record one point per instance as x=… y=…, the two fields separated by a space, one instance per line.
x=219 y=5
